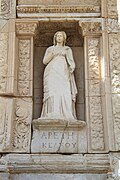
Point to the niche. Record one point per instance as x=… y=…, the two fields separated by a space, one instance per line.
x=44 y=39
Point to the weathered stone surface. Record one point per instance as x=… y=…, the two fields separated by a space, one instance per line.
x=22 y=125
x=112 y=8
x=57 y=2
x=6 y=123
x=24 y=76
x=59 y=176
x=93 y=93
x=114 y=45
x=52 y=163
x=3 y=61
x=7 y=9
x=58 y=136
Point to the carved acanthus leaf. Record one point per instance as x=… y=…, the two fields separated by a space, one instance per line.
x=90 y=27
x=26 y=27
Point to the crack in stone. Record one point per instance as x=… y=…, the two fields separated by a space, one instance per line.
x=62 y=137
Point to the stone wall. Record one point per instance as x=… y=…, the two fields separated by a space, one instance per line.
x=23 y=27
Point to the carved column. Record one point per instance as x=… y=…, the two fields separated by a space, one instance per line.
x=92 y=32
x=113 y=29
x=25 y=31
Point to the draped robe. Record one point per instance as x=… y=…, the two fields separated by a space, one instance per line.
x=59 y=85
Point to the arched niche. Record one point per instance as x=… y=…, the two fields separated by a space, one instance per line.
x=44 y=39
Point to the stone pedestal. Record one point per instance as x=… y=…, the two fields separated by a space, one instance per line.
x=58 y=136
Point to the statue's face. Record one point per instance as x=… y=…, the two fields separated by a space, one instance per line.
x=59 y=37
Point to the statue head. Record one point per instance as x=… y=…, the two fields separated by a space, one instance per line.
x=55 y=37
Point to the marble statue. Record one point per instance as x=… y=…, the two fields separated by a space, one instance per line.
x=59 y=83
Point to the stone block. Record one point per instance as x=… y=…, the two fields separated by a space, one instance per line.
x=58 y=136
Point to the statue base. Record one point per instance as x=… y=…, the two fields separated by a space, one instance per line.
x=59 y=136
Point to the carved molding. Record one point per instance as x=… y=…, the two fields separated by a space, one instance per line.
x=90 y=27
x=59 y=2
x=78 y=163
x=57 y=9
x=26 y=27
x=3 y=61
x=22 y=125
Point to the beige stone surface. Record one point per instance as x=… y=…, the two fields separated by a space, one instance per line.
x=57 y=2
x=55 y=163
x=114 y=41
x=58 y=136
x=22 y=125
x=6 y=123
x=59 y=176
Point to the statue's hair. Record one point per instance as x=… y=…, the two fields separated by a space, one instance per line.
x=64 y=37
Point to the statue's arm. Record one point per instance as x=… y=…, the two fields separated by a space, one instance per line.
x=70 y=59
x=48 y=56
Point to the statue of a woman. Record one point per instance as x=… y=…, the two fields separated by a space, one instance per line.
x=59 y=84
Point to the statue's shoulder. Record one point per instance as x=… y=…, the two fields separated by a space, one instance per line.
x=50 y=48
x=67 y=47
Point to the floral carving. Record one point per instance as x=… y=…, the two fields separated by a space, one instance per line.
x=26 y=28
x=5 y=6
x=24 y=68
x=112 y=25
x=95 y=103
x=3 y=61
x=90 y=27
x=112 y=8
x=96 y=124
x=114 y=45
x=93 y=57
x=115 y=62
x=22 y=125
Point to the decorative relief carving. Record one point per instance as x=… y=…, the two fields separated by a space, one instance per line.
x=95 y=103
x=112 y=25
x=58 y=9
x=24 y=68
x=90 y=27
x=22 y=125
x=93 y=57
x=115 y=62
x=114 y=45
x=5 y=124
x=2 y=122
x=26 y=27
x=3 y=61
x=96 y=124
x=112 y=8
x=5 y=6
